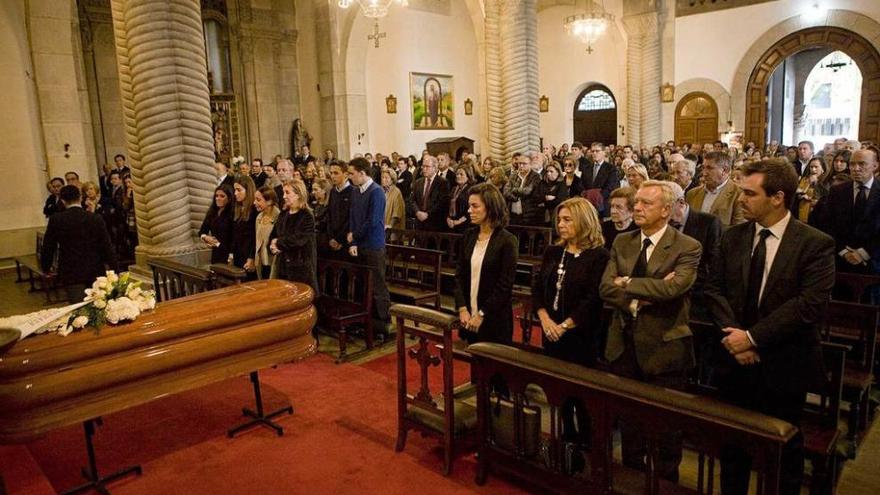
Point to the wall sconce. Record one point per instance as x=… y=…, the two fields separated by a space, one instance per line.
x=468 y=107
x=360 y=137
x=544 y=104
x=391 y=104
x=667 y=93
x=66 y=150
x=622 y=130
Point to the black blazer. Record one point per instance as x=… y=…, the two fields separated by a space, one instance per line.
x=495 y=294
x=461 y=207
x=606 y=180
x=404 y=182
x=437 y=204
x=221 y=227
x=298 y=260
x=706 y=229
x=83 y=244
x=53 y=205
x=794 y=299
x=244 y=239
x=579 y=301
x=557 y=189
x=837 y=220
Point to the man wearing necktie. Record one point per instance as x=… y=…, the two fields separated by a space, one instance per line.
x=851 y=215
x=767 y=291
x=648 y=281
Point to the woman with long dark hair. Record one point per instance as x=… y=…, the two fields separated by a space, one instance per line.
x=216 y=230
x=457 y=219
x=244 y=225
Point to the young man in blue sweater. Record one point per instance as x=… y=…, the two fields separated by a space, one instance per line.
x=367 y=233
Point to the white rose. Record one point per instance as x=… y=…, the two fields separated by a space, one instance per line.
x=133 y=292
x=80 y=321
x=112 y=277
x=100 y=283
x=100 y=303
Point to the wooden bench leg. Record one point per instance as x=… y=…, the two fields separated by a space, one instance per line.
x=343 y=338
x=18 y=278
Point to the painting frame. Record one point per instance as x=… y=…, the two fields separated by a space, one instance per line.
x=432 y=98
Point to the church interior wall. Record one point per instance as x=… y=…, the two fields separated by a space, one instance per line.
x=416 y=41
x=309 y=94
x=707 y=47
x=566 y=69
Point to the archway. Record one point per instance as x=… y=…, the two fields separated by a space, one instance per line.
x=855 y=46
x=595 y=116
x=696 y=119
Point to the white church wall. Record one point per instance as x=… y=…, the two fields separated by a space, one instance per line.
x=711 y=45
x=566 y=69
x=416 y=41
x=23 y=162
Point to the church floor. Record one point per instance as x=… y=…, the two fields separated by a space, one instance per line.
x=340 y=438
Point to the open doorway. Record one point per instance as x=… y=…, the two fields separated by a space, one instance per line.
x=595 y=116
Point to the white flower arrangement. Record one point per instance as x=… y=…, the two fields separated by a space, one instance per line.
x=111 y=299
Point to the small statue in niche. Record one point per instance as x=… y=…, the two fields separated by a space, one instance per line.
x=299 y=137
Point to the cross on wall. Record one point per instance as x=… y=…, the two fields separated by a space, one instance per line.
x=376 y=36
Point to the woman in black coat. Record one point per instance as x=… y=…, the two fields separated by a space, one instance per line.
x=565 y=297
x=487 y=260
x=216 y=230
x=244 y=226
x=458 y=219
x=551 y=191
x=570 y=179
x=293 y=238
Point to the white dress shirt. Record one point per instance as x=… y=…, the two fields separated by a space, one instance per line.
x=711 y=196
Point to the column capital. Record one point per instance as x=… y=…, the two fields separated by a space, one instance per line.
x=641 y=24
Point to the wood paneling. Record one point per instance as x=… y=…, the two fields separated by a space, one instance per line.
x=696 y=119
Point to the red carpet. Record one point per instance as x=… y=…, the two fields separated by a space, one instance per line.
x=339 y=440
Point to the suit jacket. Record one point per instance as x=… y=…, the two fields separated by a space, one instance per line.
x=838 y=220
x=797 y=288
x=83 y=244
x=437 y=203
x=496 y=283
x=726 y=206
x=526 y=191
x=661 y=333
x=606 y=180
x=706 y=229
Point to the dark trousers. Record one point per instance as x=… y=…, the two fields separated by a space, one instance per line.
x=75 y=292
x=375 y=260
x=746 y=389
x=634 y=445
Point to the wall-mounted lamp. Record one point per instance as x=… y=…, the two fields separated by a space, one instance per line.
x=468 y=107
x=544 y=104
x=391 y=104
x=360 y=137
x=66 y=150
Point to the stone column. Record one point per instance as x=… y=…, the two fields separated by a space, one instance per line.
x=512 y=73
x=163 y=82
x=643 y=78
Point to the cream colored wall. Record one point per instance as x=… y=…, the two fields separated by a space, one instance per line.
x=309 y=96
x=566 y=69
x=711 y=45
x=23 y=162
x=416 y=41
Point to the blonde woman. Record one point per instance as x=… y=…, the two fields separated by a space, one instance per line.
x=266 y=204
x=636 y=175
x=395 y=207
x=293 y=238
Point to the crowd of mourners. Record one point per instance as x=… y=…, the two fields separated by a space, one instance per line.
x=664 y=236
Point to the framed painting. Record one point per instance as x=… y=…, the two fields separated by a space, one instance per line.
x=432 y=101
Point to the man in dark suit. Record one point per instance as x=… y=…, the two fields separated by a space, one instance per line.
x=429 y=198
x=804 y=155
x=648 y=281
x=444 y=168
x=82 y=242
x=851 y=215
x=766 y=291
x=53 y=202
x=338 y=211
x=599 y=174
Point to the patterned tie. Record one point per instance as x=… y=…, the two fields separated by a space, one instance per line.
x=425 y=195
x=756 y=276
x=641 y=267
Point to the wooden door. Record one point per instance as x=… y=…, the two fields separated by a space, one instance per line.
x=696 y=119
x=595 y=116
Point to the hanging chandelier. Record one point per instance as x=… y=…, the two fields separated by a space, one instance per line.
x=590 y=24
x=374 y=9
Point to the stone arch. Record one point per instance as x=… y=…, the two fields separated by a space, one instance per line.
x=830 y=30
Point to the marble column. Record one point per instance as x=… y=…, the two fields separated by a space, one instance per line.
x=512 y=73
x=163 y=81
x=643 y=71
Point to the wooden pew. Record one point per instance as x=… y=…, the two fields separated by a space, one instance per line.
x=413 y=274
x=820 y=422
x=707 y=424
x=36 y=277
x=346 y=299
x=172 y=280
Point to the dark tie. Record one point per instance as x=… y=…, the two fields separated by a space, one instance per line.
x=425 y=195
x=641 y=267
x=756 y=276
x=861 y=203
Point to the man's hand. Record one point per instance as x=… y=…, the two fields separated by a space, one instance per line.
x=334 y=245
x=621 y=281
x=474 y=323
x=737 y=341
x=353 y=250
x=464 y=316
x=349 y=237
x=669 y=276
x=852 y=258
x=450 y=222
x=421 y=216
x=747 y=358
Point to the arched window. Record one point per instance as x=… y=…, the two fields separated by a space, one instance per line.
x=832 y=97
x=596 y=99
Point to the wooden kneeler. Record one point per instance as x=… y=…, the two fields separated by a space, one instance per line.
x=451 y=420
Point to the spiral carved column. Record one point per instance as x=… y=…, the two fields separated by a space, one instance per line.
x=164 y=89
x=643 y=79
x=494 y=77
x=519 y=64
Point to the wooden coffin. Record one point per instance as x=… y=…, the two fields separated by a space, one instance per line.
x=49 y=381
